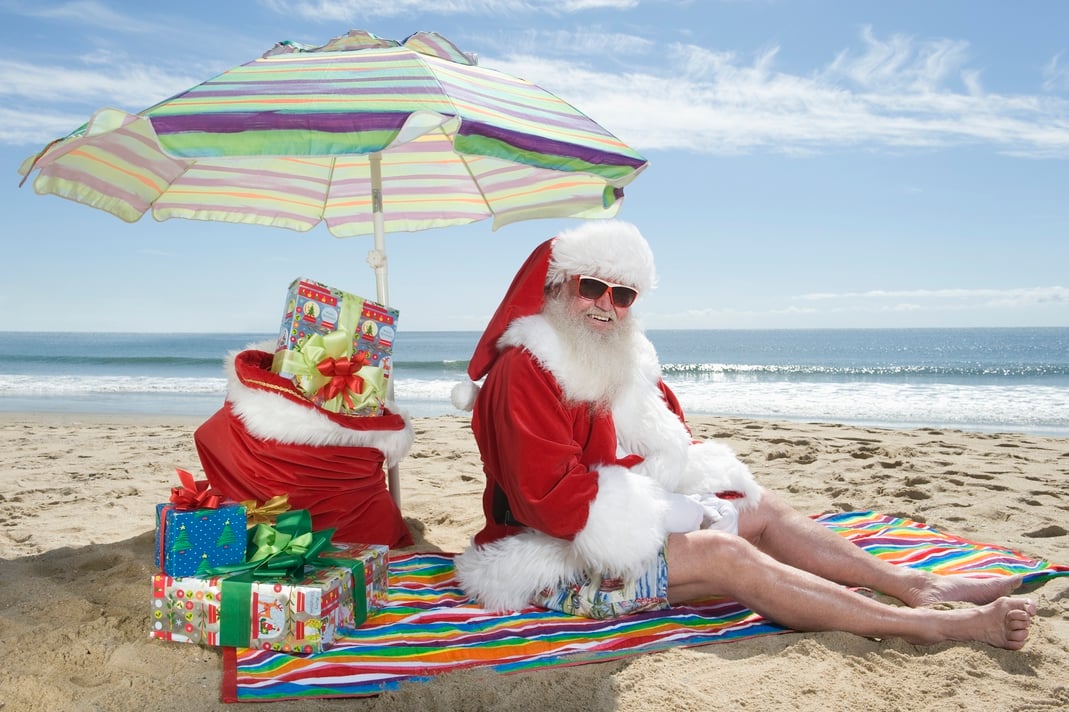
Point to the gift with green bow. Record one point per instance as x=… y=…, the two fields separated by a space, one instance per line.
x=336 y=347
x=294 y=591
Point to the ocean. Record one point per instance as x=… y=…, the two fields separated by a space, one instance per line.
x=982 y=379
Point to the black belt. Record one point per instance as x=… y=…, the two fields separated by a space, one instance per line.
x=501 y=511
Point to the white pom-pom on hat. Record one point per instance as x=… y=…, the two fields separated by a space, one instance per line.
x=463 y=395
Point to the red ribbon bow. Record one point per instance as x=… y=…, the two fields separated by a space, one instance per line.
x=194 y=494
x=343 y=378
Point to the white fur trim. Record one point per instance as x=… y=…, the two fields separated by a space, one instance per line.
x=645 y=426
x=624 y=531
x=713 y=467
x=625 y=526
x=270 y=416
x=610 y=249
x=491 y=573
x=463 y=395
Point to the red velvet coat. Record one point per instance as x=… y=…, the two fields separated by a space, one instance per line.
x=544 y=455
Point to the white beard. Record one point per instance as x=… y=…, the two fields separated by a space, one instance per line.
x=603 y=361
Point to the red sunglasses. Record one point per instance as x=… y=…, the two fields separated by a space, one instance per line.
x=620 y=295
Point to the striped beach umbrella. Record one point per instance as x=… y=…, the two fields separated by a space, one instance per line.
x=365 y=134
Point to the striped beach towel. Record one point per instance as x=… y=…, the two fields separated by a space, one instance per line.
x=430 y=627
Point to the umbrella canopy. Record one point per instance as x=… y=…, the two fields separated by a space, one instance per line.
x=365 y=134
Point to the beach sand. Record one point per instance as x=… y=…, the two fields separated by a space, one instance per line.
x=78 y=496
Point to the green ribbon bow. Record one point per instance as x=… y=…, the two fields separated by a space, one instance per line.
x=281 y=552
x=322 y=365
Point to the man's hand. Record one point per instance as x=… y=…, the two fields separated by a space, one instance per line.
x=720 y=514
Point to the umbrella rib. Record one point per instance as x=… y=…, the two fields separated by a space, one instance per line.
x=474 y=180
x=460 y=122
x=330 y=182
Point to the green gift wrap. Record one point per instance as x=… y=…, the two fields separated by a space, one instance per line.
x=297 y=616
x=336 y=347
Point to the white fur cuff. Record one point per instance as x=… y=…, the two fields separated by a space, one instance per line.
x=625 y=526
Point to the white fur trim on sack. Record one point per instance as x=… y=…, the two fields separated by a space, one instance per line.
x=270 y=416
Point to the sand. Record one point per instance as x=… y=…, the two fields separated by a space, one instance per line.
x=78 y=497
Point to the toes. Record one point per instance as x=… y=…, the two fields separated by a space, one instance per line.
x=1018 y=620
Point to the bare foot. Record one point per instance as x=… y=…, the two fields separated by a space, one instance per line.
x=966 y=589
x=1003 y=623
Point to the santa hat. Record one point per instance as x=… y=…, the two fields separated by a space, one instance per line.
x=609 y=249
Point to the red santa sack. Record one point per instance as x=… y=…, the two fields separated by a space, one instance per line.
x=269 y=440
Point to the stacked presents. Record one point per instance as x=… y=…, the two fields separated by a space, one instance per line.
x=274 y=585
x=309 y=416
x=294 y=461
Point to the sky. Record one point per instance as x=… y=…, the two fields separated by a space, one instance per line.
x=812 y=164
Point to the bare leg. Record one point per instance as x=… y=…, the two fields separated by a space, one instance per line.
x=705 y=563
x=797 y=540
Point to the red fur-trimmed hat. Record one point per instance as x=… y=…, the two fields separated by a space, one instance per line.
x=610 y=249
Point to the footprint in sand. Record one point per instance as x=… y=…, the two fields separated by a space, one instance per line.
x=1046 y=532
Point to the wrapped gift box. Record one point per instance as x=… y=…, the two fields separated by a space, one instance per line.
x=337 y=347
x=189 y=542
x=297 y=616
x=373 y=593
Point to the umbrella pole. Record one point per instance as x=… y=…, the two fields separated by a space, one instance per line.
x=377 y=259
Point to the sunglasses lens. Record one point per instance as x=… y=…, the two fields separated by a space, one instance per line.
x=623 y=296
x=590 y=288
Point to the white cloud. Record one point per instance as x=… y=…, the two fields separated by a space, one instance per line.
x=1056 y=74
x=577 y=45
x=91 y=13
x=899 y=93
x=880 y=308
x=22 y=128
x=132 y=86
x=902 y=65
x=891 y=94
x=53 y=99
x=335 y=10
x=941 y=299
x=1033 y=294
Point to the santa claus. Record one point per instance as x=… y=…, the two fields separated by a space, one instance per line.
x=599 y=503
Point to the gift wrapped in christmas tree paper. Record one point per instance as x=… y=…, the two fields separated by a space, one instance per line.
x=337 y=347
x=293 y=594
x=198 y=529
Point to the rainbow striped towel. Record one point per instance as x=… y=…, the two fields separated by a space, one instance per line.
x=430 y=627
